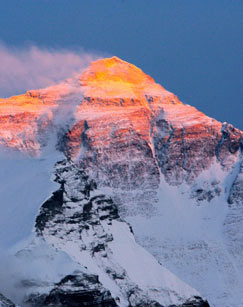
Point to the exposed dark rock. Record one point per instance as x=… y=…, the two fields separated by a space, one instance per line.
x=4 y=302
x=150 y=304
x=74 y=291
x=59 y=200
x=184 y=153
x=236 y=191
x=49 y=209
x=196 y=301
x=69 y=215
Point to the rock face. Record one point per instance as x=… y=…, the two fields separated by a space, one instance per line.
x=236 y=191
x=75 y=290
x=81 y=221
x=194 y=302
x=135 y=154
x=4 y=302
x=27 y=120
x=145 y=123
x=22 y=119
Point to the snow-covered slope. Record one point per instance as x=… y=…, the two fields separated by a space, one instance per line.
x=81 y=246
x=128 y=151
x=83 y=222
x=200 y=242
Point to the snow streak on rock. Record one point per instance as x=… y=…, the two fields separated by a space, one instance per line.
x=135 y=153
x=83 y=222
x=4 y=302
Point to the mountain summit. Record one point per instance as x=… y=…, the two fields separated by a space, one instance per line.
x=114 y=78
x=140 y=184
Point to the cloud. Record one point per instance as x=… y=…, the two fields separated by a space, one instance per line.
x=27 y=68
x=36 y=267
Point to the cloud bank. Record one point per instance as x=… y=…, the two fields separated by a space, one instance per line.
x=23 y=69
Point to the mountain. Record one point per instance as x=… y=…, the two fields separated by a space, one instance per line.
x=4 y=302
x=118 y=194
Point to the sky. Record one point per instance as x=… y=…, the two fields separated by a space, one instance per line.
x=191 y=47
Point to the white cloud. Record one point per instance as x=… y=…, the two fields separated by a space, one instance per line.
x=23 y=69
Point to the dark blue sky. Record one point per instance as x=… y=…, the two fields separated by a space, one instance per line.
x=194 y=48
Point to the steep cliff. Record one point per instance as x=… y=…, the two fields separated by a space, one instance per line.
x=131 y=152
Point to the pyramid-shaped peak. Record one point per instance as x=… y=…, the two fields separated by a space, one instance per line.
x=114 y=69
x=113 y=77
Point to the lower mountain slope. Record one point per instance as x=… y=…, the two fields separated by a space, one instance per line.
x=4 y=302
x=101 y=263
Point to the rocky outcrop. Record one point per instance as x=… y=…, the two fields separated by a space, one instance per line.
x=4 y=302
x=236 y=191
x=84 y=223
x=76 y=290
x=27 y=121
x=194 y=302
x=23 y=119
x=184 y=152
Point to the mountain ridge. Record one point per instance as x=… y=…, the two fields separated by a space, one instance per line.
x=173 y=173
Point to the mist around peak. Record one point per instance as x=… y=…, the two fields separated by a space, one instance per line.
x=33 y=67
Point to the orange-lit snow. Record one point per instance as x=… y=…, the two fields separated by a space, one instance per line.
x=112 y=95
